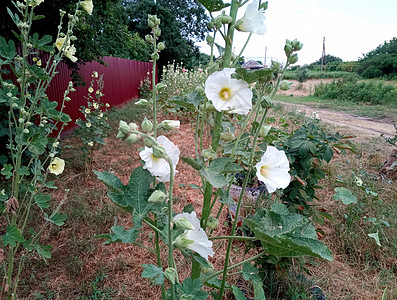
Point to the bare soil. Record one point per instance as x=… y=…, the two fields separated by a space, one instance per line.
x=363 y=128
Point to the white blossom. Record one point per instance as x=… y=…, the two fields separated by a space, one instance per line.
x=253 y=20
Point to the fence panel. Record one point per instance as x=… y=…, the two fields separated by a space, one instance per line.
x=121 y=81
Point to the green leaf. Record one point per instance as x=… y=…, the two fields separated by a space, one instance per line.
x=194 y=163
x=7 y=50
x=43 y=251
x=217 y=180
x=42 y=43
x=213 y=5
x=56 y=218
x=191 y=101
x=13 y=236
x=344 y=195
x=42 y=200
x=225 y=198
x=328 y=154
x=120 y=234
x=24 y=171
x=375 y=236
x=285 y=234
x=6 y=171
x=154 y=273
x=192 y=288
x=132 y=197
x=251 y=273
x=238 y=293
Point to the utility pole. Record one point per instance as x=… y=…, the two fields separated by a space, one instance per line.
x=264 y=62
x=323 y=58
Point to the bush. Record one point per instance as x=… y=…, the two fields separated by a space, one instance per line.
x=348 y=89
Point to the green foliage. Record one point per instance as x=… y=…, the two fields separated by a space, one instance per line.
x=183 y=22
x=344 y=195
x=191 y=289
x=361 y=92
x=302 y=74
x=154 y=273
x=94 y=127
x=285 y=234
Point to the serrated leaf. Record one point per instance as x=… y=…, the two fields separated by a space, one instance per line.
x=24 y=171
x=285 y=234
x=56 y=218
x=12 y=237
x=120 y=234
x=7 y=50
x=154 y=273
x=213 y=5
x=6 y=171
x=344 y=195
x=226 y=198
x=238 y=294
x=217 y=180
x=193 y=288
x=42 y=201
x=375 y=236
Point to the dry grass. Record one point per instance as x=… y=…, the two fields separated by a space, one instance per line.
x=78 y=258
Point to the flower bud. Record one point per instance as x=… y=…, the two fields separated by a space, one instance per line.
x=170 y=274
x=264 y=130
x=226 y=19
x=275 y=66
x=150 y=23
x=209 y=39
x=157 y=197
x=123 y=127
x=133 y=126
x=142 y=102
x=157 y=32
x=182 y=242
x=211 y=25
x=156 y=21
x=212 y=223
x=155 y=56
x=159 y=151
x=288 y=49
x=183 y=224
x=161 y=46
x=149 y=142
x=218 y=24
x=293 y=59
x=209 y=269
x=132 y=139
x=146 y=125
x=170 y=124
x=227 y=136
x=209 y=154
x=285 y=85
x=149 y=38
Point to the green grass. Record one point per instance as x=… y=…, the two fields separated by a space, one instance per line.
x=362 y=110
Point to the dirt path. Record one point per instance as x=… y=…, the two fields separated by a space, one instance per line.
x=363 y=128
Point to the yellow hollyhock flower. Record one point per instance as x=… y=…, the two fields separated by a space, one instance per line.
x=87 y=6
x=56 y=166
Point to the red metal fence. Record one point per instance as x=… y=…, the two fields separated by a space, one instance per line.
x=121 y=81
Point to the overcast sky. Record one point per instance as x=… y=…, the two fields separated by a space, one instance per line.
x=351 y=28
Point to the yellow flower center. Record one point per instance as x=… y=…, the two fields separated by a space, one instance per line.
x=225 y=93
x=264 y=171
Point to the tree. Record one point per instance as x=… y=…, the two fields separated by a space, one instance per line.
x=380 y=62
x=105 y=32
x=329 y=60
x=183 y=22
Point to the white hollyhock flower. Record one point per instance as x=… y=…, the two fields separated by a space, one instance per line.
x=273 y=169
x=190 y=221
x=87 y=6
x=227 y=93
x=70 y=52
x=170 y=124
x=253 y=20
x=159 y=167
x=56 y=166
x=197 y=241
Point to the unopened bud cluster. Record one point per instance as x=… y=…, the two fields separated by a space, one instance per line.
x=219 y=21
x=126 y=132
x=154 y=22
x=289 y=49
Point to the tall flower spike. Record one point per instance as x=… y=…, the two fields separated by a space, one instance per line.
x=253 y=20
x=229 y=94
x=273 y=169
x=159 y=167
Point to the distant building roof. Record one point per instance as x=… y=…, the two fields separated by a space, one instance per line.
x=252 y=65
